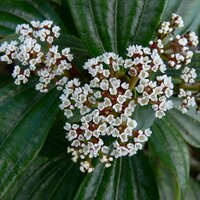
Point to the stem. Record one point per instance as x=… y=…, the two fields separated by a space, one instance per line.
x=133 y=81
x=177 y=81
x=190 y=86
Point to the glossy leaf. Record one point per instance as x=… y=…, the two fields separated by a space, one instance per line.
x=127 y=178
x=113 y=25
x=166 y=182
x=56 y=142
x=25 y=119
x=189 y=10
x=171 y=6
x=26 y=116
x=13 y=12
x=166 y=185
x=188 y=124
x=47 y=179
x=171 y=150
x=193 y=192
x=73 y=42
x=58 y=178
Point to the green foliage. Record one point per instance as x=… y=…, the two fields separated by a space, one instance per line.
x=127 y=178
x=25 y=118
x=171 y=150
x=33 y=159
x=113 y=25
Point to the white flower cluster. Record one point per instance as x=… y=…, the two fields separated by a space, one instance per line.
x=106 y=107
x=192 y=39
x=106 y=103
x=154 y=91
x=188 y=100
x=143 y=60
x=177 y=20
x=169 y=27
x=177 y=48
x=188 y=75
x=33 y=59
x=181 y=53
x=44 y=31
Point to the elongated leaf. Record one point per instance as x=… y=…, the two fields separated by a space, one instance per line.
x=166 y=182
x=59 y=178
x=73 y=42
x=56 y=142
x=25 y=118
x=169 y=147
x=13 y=12
x=128 y=178
x=112 y=25
x=47 y=179
x=188 y=124
x=193 y=192
x=189 y=10
x=171 y=6
x=166 y=185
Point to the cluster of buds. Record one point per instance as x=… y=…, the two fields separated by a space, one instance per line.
x=30 y=54
x=188 y=76
x=106 y=104
x=167 y=28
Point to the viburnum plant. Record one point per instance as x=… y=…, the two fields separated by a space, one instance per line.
x=112 y=102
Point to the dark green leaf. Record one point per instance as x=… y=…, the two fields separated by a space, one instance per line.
x=188 y=124
x=73 y=42
x=189 y=10
x=25 y=119
x=9 y=38
x=127 y=178
x=59 y=2
x=169 y=147
x=47 y=179
x=113 y=25
x=13 y=12
x=166 y=182
x=56 y=143
x=171 y=6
